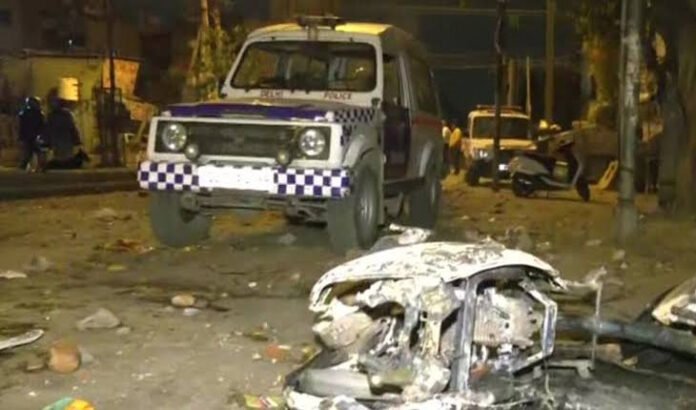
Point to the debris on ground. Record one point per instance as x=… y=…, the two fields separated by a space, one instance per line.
x=544 y=246
x=69 y=403
x=39 y=264
x=123 y=331
x=248 y=401
x=101 y=319
x=127 y=246
x=619 y=255
x=105 y=215
x=253 y=285
x=278 y=353
x=287 y=240
x=116 y=268
x=191 y=312
x=34 y=363
x=21 y=340
x=259 y=334
x=520 y=239
x=593 y=243
x=11 y=274
x=64 y=357
x=85 y=356
x=184 y=300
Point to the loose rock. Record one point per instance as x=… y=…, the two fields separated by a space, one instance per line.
x=101 y=319
x=184 y=300
x=10 y=274
x=287 y=240
x=105 y=215
x=64 y=357
x=34 y=363
x=593 y=243
x=544 y=247
x=85 y=356
x=39 y=264
x=123 y=330
x=190 y=312
x=619 y=255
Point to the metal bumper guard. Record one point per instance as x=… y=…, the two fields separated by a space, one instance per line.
x=301 y=182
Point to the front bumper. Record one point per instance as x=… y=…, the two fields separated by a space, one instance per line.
x=291 y=182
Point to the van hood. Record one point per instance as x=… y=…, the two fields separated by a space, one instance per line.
x=272 y=109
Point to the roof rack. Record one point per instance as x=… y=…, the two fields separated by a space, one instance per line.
x=313 y=22
x=503 y=108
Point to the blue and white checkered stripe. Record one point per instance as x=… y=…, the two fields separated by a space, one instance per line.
x=164 y=176
x=313 y=183
x=317 y=183
x=350 y=120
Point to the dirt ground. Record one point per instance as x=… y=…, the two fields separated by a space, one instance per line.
x=255 y=275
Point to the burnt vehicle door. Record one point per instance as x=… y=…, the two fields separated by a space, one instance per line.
x=397 y=126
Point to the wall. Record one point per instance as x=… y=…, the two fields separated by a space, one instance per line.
x=10 y=24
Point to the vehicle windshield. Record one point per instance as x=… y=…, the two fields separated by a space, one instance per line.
x=308 y=66
x=510 y=128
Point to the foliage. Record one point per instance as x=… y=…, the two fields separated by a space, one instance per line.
x=598 y=19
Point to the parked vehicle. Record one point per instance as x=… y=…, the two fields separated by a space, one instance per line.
x=324 y=120
x=516 y=134
x=533 y=171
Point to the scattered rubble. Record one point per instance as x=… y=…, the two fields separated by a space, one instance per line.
x=105 y=215
x=34 y=363
x=259 y=334
x=21 y=340
x=101 y=319
x=593 y=243
x=64 y=357
x=191 y=311
x=127 y=246
x=619 y=255
x=85 y=356
x=39 y=264
x=278 y=353
x=287 y=240
x=248 y=401
x=10 y=274
x=123 y=331
x=544 y=247
x=184 y=300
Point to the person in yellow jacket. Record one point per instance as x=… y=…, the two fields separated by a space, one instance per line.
x=455 y=147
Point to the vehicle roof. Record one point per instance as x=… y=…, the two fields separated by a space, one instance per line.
x=504 y=113
x=441 y=261
x=391 y=37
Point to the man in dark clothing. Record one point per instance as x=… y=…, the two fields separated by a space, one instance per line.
x=61 y=131
x=31 y=126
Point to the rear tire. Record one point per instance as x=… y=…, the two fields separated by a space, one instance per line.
x=583 y=189
x=522 y=187
x=174 y=226
x=353 y=222
x=424 y=203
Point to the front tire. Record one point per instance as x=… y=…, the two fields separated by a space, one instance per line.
x=424 y=203
x=522 y=187
x=353 y=222
x=174 y=226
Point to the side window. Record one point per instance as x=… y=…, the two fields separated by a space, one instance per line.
x=392 y=80
x=423 y=86
x=258 y=64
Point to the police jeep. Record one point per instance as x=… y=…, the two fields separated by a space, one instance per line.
x=327 y=121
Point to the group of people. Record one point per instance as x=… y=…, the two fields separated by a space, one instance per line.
x=453 y=137
x=38 y=135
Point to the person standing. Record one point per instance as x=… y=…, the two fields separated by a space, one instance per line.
x=455 y=147
x=61 y=131
x=31 y=126
x=446 y=134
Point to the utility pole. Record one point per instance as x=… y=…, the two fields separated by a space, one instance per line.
x=111 y=151
x=550 y=59
x=499 y=50
x=631 y=43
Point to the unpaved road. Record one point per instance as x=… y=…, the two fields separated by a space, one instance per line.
x=251 y=280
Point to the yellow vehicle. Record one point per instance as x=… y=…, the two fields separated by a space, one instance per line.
x=516 y=134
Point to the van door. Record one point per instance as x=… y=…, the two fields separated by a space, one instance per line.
x=397 y=126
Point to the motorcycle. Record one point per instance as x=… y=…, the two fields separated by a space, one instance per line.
x=534 y=171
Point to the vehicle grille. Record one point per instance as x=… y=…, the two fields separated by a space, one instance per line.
x=236 y=139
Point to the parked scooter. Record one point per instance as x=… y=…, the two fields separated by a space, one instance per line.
x=533 y=171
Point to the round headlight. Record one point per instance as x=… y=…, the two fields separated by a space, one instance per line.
x=174 y=136
x=312 y=142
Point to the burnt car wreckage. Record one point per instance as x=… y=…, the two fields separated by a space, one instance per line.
x=438 y=325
